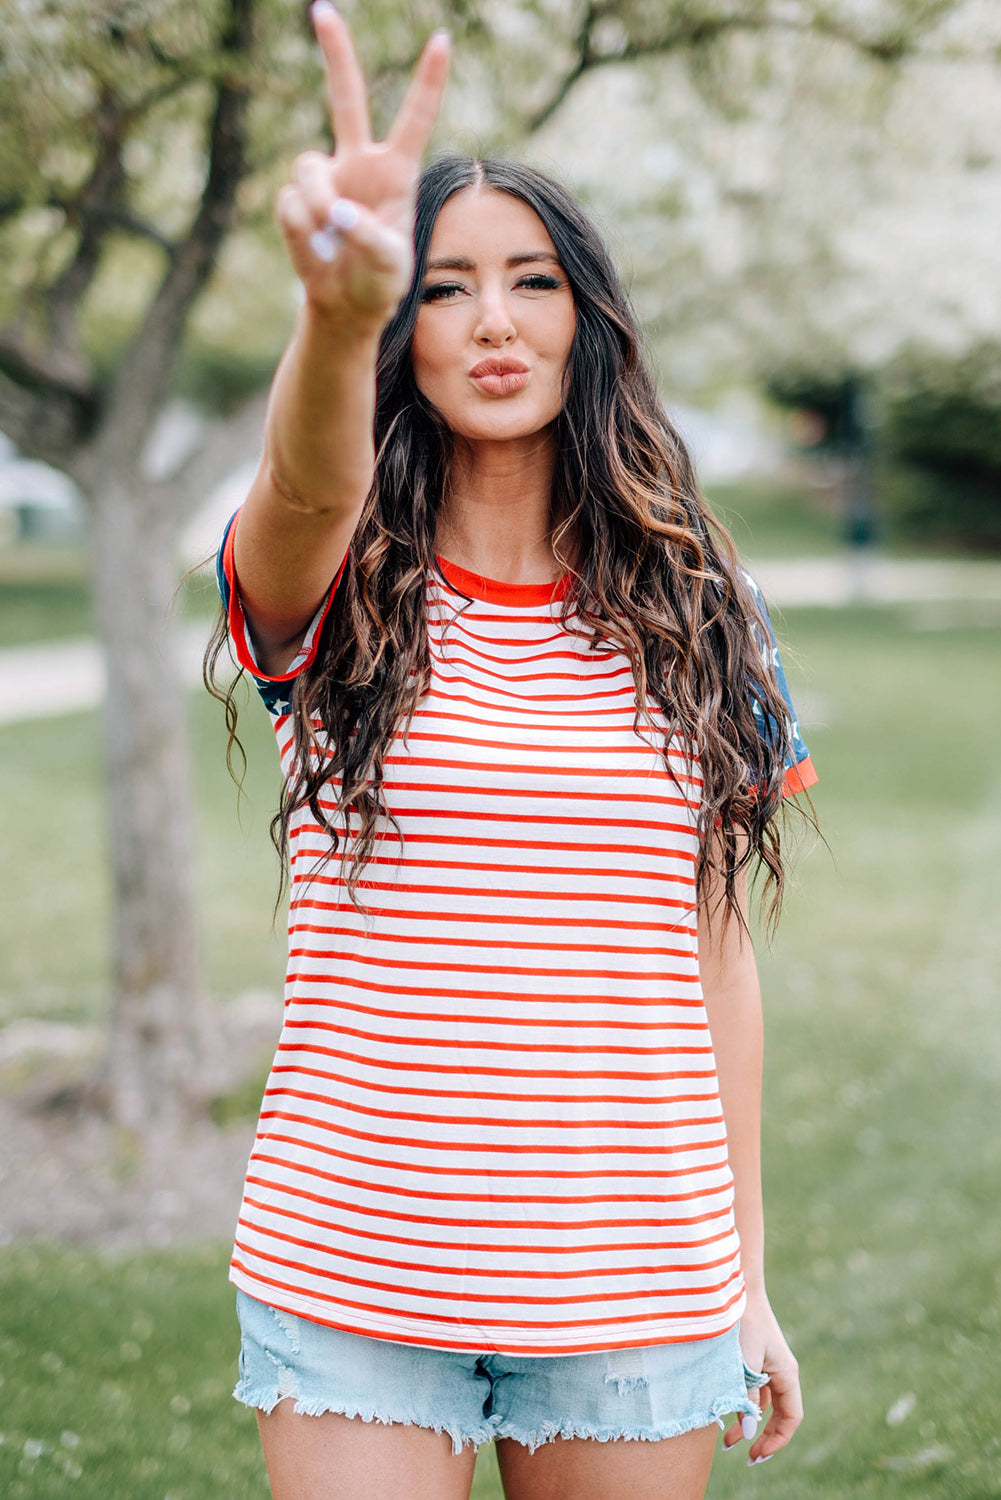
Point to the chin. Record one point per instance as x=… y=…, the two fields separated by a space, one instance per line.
x=501 y=426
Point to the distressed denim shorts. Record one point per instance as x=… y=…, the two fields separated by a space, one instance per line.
x=647 y=1394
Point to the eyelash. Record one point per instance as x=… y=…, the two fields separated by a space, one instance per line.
x=535 y=281
x=439 y=290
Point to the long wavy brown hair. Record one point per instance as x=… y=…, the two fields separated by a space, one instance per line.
x=653 y=574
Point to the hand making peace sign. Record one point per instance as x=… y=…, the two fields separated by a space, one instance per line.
x=348 y=218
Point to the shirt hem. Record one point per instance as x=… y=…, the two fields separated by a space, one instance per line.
x=800 y=777
x=401 y=1330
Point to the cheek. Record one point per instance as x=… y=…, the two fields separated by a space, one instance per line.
x=419 y=347
x=559 y=336
x=430 y=354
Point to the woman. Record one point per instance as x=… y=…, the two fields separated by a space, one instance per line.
x=533 y=729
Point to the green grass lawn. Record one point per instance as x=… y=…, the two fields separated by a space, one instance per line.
x=51 y=773
x=777 y=518
x=883 y=1157
x=43 y=594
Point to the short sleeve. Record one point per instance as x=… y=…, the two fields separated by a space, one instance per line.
x=799 y=769
x=273 y=690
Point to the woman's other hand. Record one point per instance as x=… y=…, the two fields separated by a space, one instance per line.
x=764 y=1349
x=348 y=219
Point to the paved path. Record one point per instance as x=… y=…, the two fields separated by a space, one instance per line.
x=64 y=677
x=851 y=579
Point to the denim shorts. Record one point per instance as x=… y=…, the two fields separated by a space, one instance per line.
x=648 y=1394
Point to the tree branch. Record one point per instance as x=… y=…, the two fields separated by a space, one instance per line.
x=585 y=59
x=690 y=32
x=99 y=214
x=103 y=216
x=45 y=422
x=147 y=366
x=100 y=194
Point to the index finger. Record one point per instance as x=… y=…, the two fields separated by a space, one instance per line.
x=346 y=89
x=787 y=1413
x=416 y=116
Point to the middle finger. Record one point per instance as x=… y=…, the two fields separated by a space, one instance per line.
x=416 y=116
x=346 y=89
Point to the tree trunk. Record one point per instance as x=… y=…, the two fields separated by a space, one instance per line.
x=154 y=1063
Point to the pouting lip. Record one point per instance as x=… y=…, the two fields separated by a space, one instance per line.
x=498 y=365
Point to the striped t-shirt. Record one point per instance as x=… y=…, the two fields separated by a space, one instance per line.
x=493 y=1120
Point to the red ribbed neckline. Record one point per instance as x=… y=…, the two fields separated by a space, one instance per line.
x=492 y=591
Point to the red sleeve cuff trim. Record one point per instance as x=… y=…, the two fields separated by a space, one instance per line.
x=239 y=634
x=799 y=778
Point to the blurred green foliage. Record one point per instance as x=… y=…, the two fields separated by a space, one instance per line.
x=217 y=380
x=771 y=516
x=930 y=427
x=940 y=438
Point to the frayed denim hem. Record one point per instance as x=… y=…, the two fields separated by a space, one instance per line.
x=266 y=1400
x=626 y=1384
x=549 y=1431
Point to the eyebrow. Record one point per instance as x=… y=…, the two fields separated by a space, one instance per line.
x=521 y=258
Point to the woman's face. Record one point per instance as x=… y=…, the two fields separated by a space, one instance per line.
x=496 y=321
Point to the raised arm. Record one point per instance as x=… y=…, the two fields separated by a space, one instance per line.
x=733 y=1004
x=347 y=221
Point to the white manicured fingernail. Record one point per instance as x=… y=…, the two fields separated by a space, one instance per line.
x=343 y=213
x=325 y=244
x=748 y=1425
x=762 y=1460
x=322 y=8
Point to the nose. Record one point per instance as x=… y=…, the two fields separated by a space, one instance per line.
x=494 y=321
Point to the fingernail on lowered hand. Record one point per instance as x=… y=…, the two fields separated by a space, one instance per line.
x=343 y=214
x=748 y=1425
x=762 y=1460
x=325 y=244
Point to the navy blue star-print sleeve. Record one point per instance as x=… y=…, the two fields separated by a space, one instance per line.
x=799 y=769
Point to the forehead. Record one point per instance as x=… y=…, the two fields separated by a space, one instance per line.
x=480 y=220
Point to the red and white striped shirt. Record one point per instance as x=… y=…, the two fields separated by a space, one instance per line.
x=493 y=1120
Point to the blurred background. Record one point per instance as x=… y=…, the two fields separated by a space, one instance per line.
x=805 y=199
